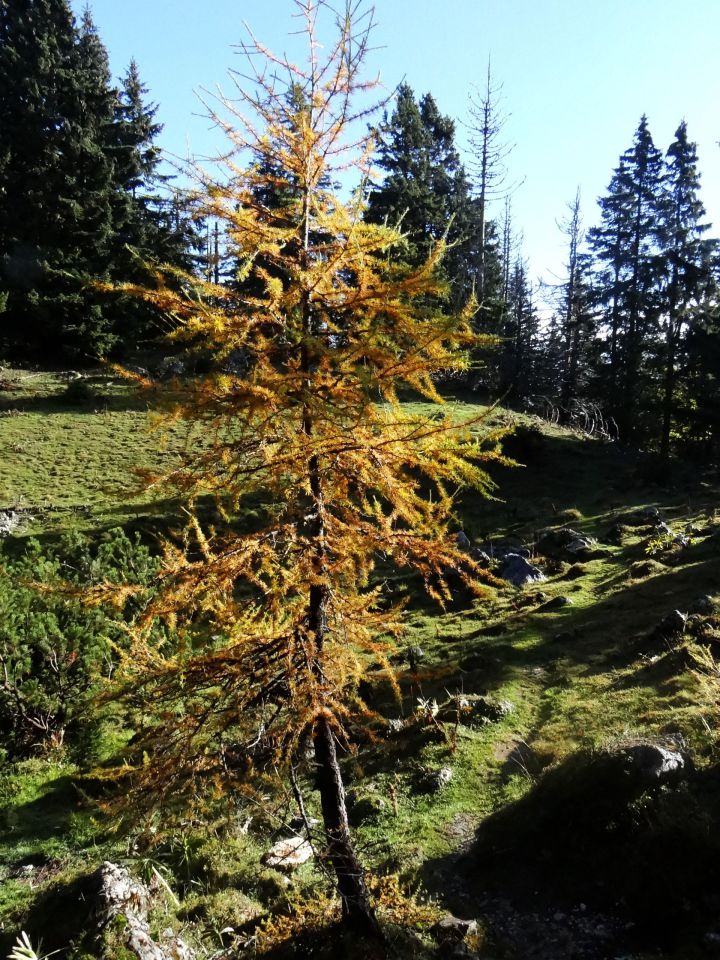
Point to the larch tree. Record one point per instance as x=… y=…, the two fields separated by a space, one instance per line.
x=275 y=626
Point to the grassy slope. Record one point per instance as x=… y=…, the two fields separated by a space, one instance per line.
x=580 y=677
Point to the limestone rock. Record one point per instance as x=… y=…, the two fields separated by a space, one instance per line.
x=519 y=571
x=673 y=625
x=9 y=522
x=288 y=854
x=120 y=895
x=463 y=541
x=433 y=781
x=655 y=764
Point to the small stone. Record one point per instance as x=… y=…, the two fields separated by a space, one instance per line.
x=452 y=930
x=557 y=603
x=433 y=781
x=414 y=656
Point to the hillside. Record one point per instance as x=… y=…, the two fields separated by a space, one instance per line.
x=518 y=782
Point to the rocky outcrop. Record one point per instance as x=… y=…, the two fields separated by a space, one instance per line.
x=119 y=895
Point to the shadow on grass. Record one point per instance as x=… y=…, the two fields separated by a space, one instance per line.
x=593 y=831
x=41 y=819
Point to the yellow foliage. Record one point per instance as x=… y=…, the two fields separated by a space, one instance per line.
x=277 y=625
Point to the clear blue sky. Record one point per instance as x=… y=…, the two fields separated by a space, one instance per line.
x=577 y=76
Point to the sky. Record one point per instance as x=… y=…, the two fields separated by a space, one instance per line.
x=577 y=75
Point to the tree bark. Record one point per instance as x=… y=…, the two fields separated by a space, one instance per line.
x=357 y=910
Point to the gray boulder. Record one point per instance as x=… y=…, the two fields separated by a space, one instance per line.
x=673 y=625
x=288 y=855
x=655 y=764
x=519 y=571
x=9 y=522
x=463 y=541
x=704 y=604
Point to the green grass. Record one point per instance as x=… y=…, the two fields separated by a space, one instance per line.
x=581 y=678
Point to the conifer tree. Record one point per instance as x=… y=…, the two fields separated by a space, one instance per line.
x=576 y=318
x=488 y=167
x=56 y=178
x=425 y=190
x=277 y=625
x=626 y=247
x=687 y=259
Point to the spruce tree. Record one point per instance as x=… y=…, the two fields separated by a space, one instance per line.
x=575 y=316
x=627 y=255
x=686 y=264
x=56 y=178
x=425 y=189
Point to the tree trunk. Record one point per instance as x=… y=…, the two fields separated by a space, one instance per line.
x=357 y=910
x=669 y=386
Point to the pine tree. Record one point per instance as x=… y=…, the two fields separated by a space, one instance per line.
x=277 y=625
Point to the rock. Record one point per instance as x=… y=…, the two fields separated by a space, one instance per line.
x=363 y=808
x=580 y=546
x=655 y=764
x=480 y=557
x=552 y=542
x=463 y=541
x=673 y=625
x=119 y=895
x=557 y=603
x=703 y=605
x=472 y=709
x=518 y=571
x=414 y=656
x=288 y=854
x=9 y=522
x=616 y=534
x=452 y=930
x=433 y=781
x=575 y=571
x=170 y=367
x=396 y=725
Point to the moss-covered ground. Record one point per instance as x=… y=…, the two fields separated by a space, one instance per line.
x=584 y=678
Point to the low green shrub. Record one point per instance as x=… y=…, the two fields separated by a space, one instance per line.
x=54 y=650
